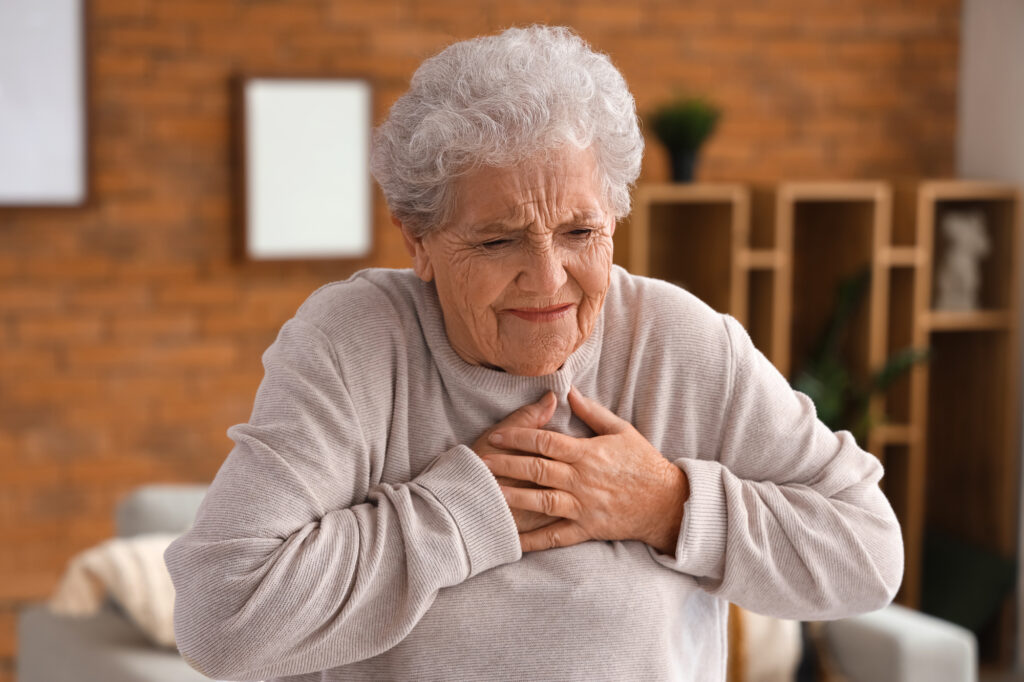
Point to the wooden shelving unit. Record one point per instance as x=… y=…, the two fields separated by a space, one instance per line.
x=772 y=256
x=969 y=405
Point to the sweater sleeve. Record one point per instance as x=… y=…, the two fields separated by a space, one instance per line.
x=296 y=562
x=789 y=520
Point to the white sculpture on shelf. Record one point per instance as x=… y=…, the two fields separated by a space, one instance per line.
x=959 y=276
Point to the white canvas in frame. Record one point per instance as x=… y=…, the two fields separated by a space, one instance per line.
x=307 y=181
x=42 y=103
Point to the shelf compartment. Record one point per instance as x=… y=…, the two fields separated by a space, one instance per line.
x=831 y=240
x=971 y=441
x=695 y=231
x=998 y=205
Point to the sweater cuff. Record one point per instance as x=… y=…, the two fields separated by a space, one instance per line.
x=468 y=490
x=700 y=549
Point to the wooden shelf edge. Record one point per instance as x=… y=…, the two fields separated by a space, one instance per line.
x=901 y=256
x=834 y=190
x=724 y=192
x=951 y=189
x=979 y=320
x=760 y=259
x=895 y=434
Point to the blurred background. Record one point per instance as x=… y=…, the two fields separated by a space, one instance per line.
x=131 y=330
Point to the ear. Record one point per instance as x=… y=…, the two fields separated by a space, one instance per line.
x=417 y=251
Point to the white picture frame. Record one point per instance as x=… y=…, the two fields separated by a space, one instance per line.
x=43 y=124
x=305 y=168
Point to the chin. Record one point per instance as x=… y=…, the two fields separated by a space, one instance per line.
x=532 y=369
x=547 y=357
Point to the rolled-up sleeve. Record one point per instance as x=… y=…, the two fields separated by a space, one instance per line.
x=297 y=562
x=787 y=519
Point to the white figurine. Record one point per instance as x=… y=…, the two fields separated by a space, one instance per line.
x=959 y=277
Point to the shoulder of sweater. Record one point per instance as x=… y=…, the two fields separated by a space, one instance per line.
x=371 y=302
x=662 y=310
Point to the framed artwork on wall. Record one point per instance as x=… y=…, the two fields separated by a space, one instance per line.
x=305 y=181
x=42 y=103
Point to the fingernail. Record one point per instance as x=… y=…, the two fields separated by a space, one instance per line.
x=496 y=438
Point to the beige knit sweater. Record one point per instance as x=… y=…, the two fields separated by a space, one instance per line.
x=351 y=534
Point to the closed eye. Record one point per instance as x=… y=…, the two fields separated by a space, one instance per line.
x=496 y=244
x=581 y=232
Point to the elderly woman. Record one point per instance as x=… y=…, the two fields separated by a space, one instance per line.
x=517 y=461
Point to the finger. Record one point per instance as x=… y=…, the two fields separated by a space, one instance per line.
x=594 y=414
x=534 y=415
x=545 y=472
x=559 y=534
x=543 y=500
x=539 y=442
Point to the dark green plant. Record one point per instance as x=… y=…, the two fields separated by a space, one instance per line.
x=684 y=122
x=841 y=401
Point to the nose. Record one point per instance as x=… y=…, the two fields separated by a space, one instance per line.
x=543 y=273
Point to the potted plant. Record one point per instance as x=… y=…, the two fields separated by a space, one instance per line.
x=682 y=125
x=841 y=401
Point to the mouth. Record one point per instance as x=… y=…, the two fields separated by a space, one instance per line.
x=547 y=314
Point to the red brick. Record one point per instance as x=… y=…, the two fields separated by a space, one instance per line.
x=189 y=129
x=415 y=42
x=197 y=71
x=30 y=298
x=199 y=294
x=82 y=268
x=240 y=43
x=29 y=584
x=109 y=297
x=121 y=9
x=144 y=98
x=274 y=16
x=197 y=12
x=680 y=19
x=24 y=361
x=211 y=355
x=57 y=390
x=60 y=329
x=366 y=14
x=110 y=64
x=136 y=271
x=162 y=39
x=769 y=19
x=148 y=327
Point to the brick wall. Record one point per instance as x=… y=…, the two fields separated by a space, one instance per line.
x=129 y=338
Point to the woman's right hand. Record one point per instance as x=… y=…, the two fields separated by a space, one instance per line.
x=533 y=416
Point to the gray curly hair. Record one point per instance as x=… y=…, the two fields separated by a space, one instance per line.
x=496 y=101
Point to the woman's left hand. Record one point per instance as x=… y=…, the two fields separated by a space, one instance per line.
x=614 y=486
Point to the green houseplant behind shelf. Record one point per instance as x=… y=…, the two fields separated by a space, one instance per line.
x=682 y=125
x=841 y=401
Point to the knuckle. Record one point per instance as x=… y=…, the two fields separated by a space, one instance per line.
x=537 y=469
x=577 y=508
x=544 y=441
x=552 y=538
x=548 y=502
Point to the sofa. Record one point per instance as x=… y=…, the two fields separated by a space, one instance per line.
x=894 y=644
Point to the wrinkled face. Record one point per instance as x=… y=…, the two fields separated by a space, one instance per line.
x=523 y=267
